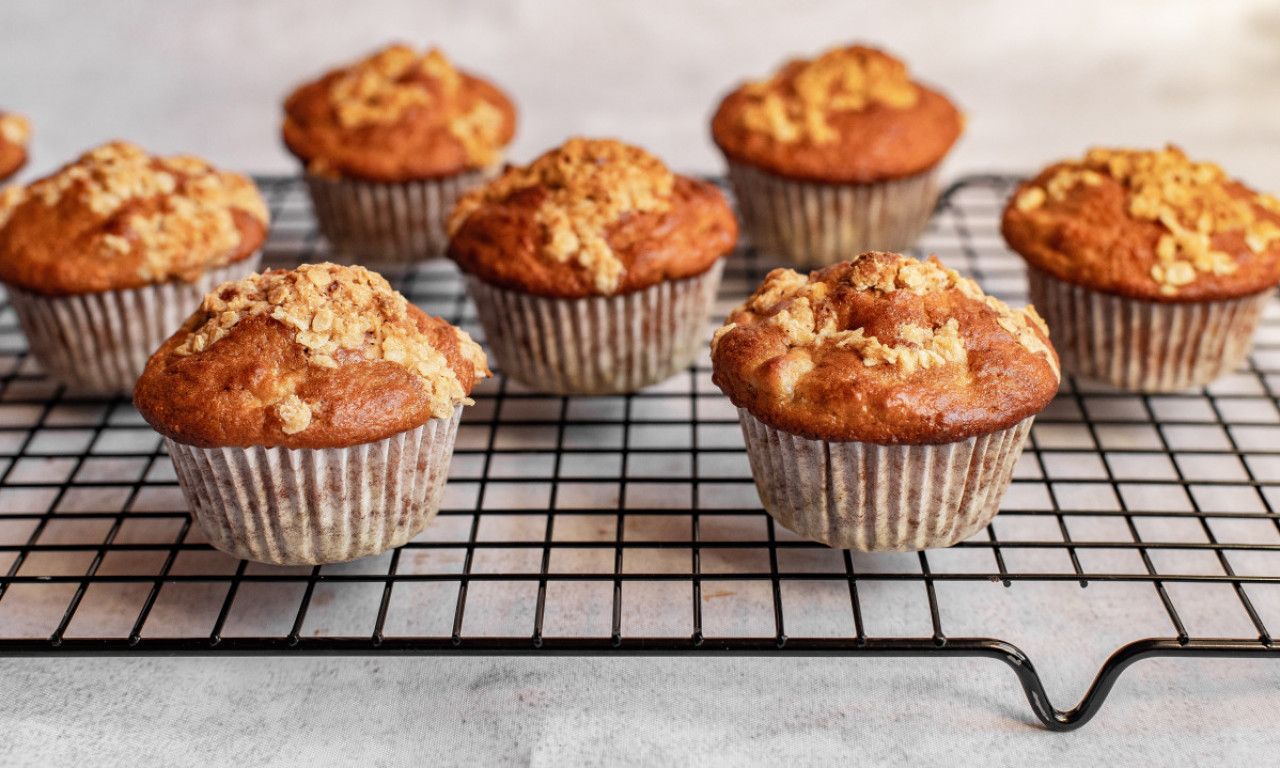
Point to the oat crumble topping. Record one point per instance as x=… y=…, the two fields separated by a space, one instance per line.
x=789 y=301
x=381 y=89
x=15 y=129
x=591 y=184
x=1188 y=199
x=796 y=103
x=333 y=308
x=193 y=227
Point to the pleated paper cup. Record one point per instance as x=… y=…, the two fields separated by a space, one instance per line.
x=1145 y=346
x=809 y=224
x=312 y=506
x=99 y=343
x=882 y=498
x=388 y=225
x=600 y=345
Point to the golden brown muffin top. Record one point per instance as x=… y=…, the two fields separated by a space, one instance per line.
x=883 y=349
x=323 y=356
x=1150 y=225
x=594 y=217
x=853 y=115
x=118 y=218
x=15 y=134
x=398 y=116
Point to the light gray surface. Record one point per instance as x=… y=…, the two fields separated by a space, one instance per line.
x=1038 y=81
x=617 y=712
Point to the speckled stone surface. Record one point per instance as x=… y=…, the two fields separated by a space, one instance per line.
x=615 y=712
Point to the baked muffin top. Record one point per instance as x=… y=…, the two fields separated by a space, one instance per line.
x=15 y=133
x=322 y=356
x=1150 y=225
x=883 y=349
x=852 y=115
x=119 y=218
x=594 y=217
x=398 y=116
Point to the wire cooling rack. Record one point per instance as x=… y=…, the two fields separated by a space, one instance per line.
x=1136 y=526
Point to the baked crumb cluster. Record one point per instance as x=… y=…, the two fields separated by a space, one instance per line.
x=337 y=313
x=175 y=211
x=1190 y=200
x=590 y=184
x=799 y=307
x=14 y=129
x=795 y=104
x=383 y=88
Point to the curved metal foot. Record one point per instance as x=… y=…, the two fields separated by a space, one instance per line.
x=1070 y=719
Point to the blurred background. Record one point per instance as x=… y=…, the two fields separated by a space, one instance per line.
x=1038 y=80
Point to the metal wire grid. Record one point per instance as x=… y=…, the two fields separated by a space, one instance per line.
x=631 y=524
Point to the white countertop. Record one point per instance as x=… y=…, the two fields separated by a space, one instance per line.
x=1038 y=81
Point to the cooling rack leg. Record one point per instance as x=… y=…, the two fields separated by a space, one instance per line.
x=1068 y=720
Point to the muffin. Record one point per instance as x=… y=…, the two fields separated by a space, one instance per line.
x=835 y=156
x=15 y=132
x=389 y=144
x=105 y=258
x=592 y=269
x=884 y=400
x=1151 y=269
x=310 y=414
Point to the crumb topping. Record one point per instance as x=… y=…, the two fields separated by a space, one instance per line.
x=15 y=129
x=1189 y=199
x=590 y=184
x=384 y=88
x=335 y=312
x=796 y=104
x=175 y=211
x=799 y=307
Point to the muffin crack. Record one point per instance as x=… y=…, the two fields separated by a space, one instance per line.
x=1189 y=200
x=801 y=308
x=335 y=312
x=176 y=212
x=383 y=88
x=588 y=186
x=796 y=104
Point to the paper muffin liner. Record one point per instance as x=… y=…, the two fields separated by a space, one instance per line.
x=599 y=345
x=810 y=224
x=100 y=342
x=882 y=498
x=388 y=225
x=1145 y=346
x=311 y=506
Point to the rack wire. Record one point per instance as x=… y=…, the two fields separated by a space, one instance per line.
x=1136 y=526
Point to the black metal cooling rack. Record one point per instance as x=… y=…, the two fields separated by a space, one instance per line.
x=630 y=525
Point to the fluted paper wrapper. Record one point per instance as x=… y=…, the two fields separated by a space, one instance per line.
x=882 y=498
x=812 y=225
x=388 y=225
x=312 y=506
x=599 y=345
x=100 y=342
x=1145 y=346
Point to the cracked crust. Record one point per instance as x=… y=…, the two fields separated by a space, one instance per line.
x=590 y=218
x=852 y=115
x=883 y=349
x=323 y=356
x=396 y=116
x=1149 y=225
x=15 y=135
x=118 y=218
